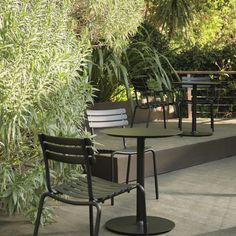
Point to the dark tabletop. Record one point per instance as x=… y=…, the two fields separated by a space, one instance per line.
x=141 y=132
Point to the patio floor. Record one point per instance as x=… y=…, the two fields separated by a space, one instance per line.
x=201 y=200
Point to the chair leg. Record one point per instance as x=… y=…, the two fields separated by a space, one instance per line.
x=144 y=210
x=112 y=174
x=91 y=220
x=180 y=116
x=155 y=173
x=98 y=219
x=164 y=115
x=133 y=117
x=212 y=118
x=40 y=209
x=128 y=169
x=148 y=118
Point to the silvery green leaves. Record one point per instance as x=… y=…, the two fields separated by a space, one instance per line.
x=43 y=88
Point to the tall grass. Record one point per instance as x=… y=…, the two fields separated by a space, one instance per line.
x=43 y=88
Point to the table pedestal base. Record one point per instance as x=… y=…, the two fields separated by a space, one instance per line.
x=196 y=134
x=128 y=225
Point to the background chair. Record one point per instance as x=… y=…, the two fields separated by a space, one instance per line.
x=205 y=97
x=149 y=98
x=117 y=118
x=84 y=191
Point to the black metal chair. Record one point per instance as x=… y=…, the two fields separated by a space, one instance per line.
x=150 y=98
x=206 y=96
x=84 y=191
x=117 y=118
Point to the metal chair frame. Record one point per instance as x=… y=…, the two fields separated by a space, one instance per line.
x=151 y=99
x=117 y=118
x=88 y=191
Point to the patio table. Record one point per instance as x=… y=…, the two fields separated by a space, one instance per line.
x=194 y=85
x=133 y=225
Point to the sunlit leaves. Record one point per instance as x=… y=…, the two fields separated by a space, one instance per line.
x=42 y=89
x=109 y=22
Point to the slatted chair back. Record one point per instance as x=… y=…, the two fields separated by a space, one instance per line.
x=107 y=119
x=66 y=150
x=148 y=95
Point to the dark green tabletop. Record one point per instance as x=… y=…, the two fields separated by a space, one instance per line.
x=141 y=132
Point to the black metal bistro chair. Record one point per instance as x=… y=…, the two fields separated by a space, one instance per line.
x=84 y=191
x=206 y=96
x=117 y=118
x=147 y=98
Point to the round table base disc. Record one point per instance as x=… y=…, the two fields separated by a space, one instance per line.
x=128 y=226
x=196 y=134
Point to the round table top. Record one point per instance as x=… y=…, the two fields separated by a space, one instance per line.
x=138 y=132
x=196 y=82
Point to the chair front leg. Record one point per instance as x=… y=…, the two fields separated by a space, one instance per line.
x=155 y=173
x=145 y=229
x=40 y=209
x=91 y=220
x=98 y=218
x=128 y=169
x=112 y=173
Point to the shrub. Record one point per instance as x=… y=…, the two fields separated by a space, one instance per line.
x=41 y=91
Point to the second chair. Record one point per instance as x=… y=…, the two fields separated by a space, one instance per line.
x=117 y=118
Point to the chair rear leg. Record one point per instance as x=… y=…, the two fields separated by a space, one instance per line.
x=212 y=118
x=180 y=116
x=128 y=169
x=133 y=117
x=112 y=174
x=40 y=209
x=164 y=115
x=155 y=174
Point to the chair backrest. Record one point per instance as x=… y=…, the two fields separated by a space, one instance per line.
x=140 y=85
x=107 y=119
x=66 y=150
x=149 y=94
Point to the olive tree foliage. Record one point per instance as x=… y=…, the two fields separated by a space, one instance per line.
x=109 y=22
x=43 y=88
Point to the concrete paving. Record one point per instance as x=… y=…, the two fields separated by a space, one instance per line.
x=201 y=200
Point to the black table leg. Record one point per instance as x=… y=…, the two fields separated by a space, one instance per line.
x=194 y=132
x=141 y=210
x=134 y=225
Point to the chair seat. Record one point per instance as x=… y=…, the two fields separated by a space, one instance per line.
x=125 y=151
x=102 y=189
